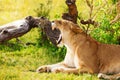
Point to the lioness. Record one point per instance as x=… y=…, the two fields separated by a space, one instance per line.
x=84 y=54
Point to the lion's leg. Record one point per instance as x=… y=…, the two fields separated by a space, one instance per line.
x=61 y=67
x=109 y=77
x=50 y=68
x=66 y=70
x=70 y=70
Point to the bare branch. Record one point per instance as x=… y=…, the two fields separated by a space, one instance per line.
x=88 y=3
x=93 y=17
x=73 y=13
x=117 y=17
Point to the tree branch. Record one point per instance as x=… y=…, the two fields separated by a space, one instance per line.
x=73 y=13
x=117 y=17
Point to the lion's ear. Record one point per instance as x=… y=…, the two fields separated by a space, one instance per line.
x=76 y=29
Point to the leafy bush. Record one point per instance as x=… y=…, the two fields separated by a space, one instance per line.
x=44 y=10
x=107 y=33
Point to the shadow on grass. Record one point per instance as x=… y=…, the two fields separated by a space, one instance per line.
x=14 y=46
x=11 y=47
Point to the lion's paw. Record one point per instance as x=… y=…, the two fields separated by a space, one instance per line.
x=103 y=76
x=57 y=70
x=43 y=69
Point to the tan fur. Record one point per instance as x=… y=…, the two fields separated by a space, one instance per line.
x=84 y=54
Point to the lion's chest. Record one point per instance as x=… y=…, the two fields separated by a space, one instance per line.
x=69 y=58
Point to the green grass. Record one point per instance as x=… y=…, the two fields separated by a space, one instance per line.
x=20 y=65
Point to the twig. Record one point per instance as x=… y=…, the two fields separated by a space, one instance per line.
x=117 y=17
x=93 y=17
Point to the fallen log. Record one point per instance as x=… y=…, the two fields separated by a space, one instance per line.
x=17 y=28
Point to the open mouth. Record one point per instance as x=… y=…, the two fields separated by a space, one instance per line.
x=59 y=36
x=59 y=39
x=57 y=32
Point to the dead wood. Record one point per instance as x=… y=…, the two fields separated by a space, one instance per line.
x=17 y=28
x=73 y=13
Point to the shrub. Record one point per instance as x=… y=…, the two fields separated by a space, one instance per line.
x=44 y=10
x=107 y=33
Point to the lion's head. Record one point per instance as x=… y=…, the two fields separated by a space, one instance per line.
x=58 y=30
x=66 y=28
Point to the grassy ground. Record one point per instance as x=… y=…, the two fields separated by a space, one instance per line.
x=19 y=62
